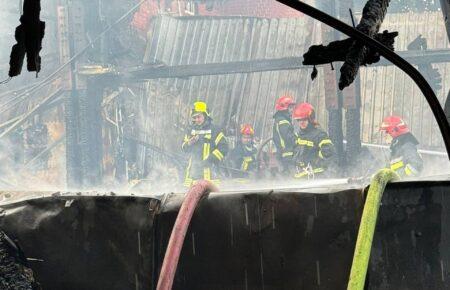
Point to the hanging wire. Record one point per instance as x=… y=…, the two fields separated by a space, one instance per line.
x=26 y=94
x=5 y=81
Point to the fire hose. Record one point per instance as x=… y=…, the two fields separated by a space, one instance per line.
x=367 y=228
x=169 y=267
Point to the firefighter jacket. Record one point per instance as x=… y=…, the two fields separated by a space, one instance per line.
x=243 y=160
x=314 y=154
x=405 y=160
x=206 y=154
x=284 y=138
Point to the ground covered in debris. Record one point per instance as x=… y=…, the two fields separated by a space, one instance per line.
x=13 y=272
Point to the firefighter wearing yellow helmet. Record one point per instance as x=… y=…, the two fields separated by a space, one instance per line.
x=205 y=145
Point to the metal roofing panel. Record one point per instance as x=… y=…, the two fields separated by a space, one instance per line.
x=250 y=97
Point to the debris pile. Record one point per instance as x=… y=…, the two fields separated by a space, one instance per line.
x=14 y=273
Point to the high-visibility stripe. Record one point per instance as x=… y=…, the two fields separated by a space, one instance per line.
x=218 y=138
x=287 y=154
x=185 y=141
x=206 y=150
x=187 y=179
x=218 y=154
x=306 y=173
x=246 y=163
x=301 y=175
x=200 y=132
x=244 y=166
x=324 y=142
x=305 y=142
x=397 y=165
x=282 y=122
x=281 y=138
x=410 y=170
x=207 y=173
x=318 y=170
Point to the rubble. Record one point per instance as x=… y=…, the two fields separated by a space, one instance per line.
x=14 y=272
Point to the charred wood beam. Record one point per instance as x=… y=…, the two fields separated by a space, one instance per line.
x=290 y=63
x=337 y=50
x=184 y=71
x=432 y=75
x=90 y=133
x=71 y=126
x=373 y=15
x=418 y=57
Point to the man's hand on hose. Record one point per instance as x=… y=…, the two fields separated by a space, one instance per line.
x=193 y=140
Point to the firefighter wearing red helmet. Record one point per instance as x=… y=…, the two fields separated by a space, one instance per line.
x=205 y=145
x=283 y=132
x=243 y=156
x=404 y=159
x=315 y=152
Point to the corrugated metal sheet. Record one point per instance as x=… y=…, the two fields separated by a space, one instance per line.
x=250 y=97
x=387 y=90
x=243 y=97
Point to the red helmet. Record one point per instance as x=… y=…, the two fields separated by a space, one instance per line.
x=394 y=126
x=283 y=103
x=304 y=111
x=247 y=129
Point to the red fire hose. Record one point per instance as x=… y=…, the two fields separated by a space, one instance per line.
x=170 y=263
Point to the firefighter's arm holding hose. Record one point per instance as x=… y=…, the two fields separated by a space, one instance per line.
x=326 y=147
x=410 y=164
x=219 y=148
x=188 y=141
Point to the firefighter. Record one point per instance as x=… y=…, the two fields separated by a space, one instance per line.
x=205 y=145
x=404 y=159
x=314 y=152
x=283 y=132
x=243 y=156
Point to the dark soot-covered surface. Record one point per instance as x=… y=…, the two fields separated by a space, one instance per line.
x=261 y=240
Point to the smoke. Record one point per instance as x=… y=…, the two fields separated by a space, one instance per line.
x=155 y=113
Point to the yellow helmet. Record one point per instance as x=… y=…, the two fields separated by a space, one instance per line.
x=200 y=108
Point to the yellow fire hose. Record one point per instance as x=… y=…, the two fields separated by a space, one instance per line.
x=367 y=228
